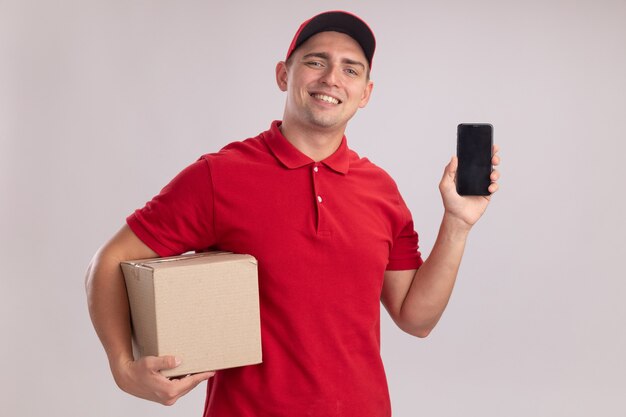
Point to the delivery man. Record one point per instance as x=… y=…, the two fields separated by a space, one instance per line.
x=331 y=233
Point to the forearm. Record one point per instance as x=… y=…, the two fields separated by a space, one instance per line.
x=107 y=297
x=108 y=307
x=416 y=300
x=433 y=282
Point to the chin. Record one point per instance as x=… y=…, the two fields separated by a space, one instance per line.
x=325 y=122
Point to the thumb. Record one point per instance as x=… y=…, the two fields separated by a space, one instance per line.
x=450 y=169
x=167 y=362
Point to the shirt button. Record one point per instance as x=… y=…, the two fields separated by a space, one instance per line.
x=315 y=169
x=319 y=199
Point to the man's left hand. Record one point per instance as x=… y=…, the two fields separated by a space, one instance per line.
x=466 y=209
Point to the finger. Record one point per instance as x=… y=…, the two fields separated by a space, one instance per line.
x=201 y=376
x=450 y=169
x=453 y=164
x=495 y=175
x=495 y=149
x=157 y=363
x=495 y=160
x=179 y=387
x=493 y=187
x=449 y=176
x=189 y=382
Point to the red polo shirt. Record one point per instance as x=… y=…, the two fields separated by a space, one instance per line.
x=323 y=233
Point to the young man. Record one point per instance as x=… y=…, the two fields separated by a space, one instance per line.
x=329 y=229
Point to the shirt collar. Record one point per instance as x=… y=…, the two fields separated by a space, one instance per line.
x=292 y=158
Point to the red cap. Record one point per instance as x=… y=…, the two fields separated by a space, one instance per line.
x=337 y=21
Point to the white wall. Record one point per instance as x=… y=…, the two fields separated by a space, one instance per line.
x=102 y=102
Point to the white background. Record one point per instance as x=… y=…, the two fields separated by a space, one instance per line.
x=103 y=101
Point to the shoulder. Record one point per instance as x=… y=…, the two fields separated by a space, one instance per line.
x=238 y=149
x=239 y=161
x=376 y=175
x=239 y=152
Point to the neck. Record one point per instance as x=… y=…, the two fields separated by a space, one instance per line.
x=317 y=144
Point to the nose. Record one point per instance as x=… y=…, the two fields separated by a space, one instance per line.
x=330 y=76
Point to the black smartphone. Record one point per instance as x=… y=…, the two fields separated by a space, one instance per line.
x=474 y=149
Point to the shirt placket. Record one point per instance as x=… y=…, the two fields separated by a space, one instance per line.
x=320 y=200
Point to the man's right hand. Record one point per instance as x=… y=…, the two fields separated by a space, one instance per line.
x=142 y=379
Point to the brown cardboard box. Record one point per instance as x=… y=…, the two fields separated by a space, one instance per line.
x=203 y=308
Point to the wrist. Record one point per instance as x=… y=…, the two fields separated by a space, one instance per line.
x=455 y=227
x=119 y=369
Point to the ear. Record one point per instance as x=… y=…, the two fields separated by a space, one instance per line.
x=367 y=93
x=281 y=75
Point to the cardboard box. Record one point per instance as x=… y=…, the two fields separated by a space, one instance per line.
x=203 y=308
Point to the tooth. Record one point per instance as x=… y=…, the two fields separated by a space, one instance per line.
x=326 y=98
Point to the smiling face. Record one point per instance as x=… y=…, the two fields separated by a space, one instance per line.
x=326 y=80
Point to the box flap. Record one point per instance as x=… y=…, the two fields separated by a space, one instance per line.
x=188 y=259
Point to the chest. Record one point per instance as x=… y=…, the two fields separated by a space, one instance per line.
x=265 y=209
x=321 y=238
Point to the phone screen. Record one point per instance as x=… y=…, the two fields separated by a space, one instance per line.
x=474 y=150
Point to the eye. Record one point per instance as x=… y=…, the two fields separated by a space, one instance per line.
x=314 y=64
x=352 y=72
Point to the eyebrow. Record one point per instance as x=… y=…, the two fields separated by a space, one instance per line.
x=324 y=55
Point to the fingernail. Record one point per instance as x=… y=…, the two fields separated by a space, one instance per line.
x=177 y=361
